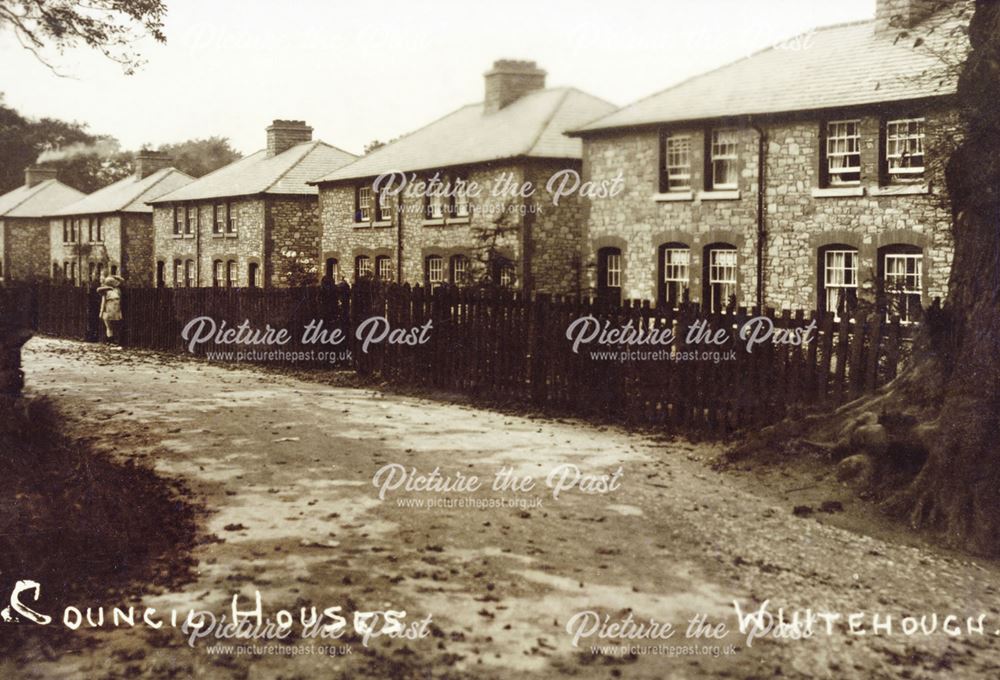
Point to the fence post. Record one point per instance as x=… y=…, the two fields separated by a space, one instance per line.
x=539 y=336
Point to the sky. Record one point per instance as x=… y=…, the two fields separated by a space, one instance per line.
x=359 y=71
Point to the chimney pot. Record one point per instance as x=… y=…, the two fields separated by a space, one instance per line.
x=282 y=135
x=892 y=16
x=148 y=162
x=36 y=174
x=509 y=80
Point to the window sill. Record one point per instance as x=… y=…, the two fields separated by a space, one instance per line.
x=464 y=219
x=436 y=222
x=837 y=192
x=669 y=196
x=719 y=195
x=900 y=190
x=382 y=223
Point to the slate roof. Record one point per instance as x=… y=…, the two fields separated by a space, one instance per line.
x=531 y=126
x=129 y=194
x=286 y=173
x=831 y=67
x=40 y=200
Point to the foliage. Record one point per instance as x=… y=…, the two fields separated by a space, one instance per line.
x=113 y=27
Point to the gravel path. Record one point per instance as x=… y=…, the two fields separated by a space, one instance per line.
x=286 y=469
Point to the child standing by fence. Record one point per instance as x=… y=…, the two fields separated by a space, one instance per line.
x=111 y=306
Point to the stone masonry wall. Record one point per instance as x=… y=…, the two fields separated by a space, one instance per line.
x=106 y=251
x=137 y=248
x=205 y=247
x=24 y=248
x=800 y=218
x=295 y=239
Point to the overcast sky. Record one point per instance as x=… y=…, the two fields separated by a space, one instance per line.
x=358 y=71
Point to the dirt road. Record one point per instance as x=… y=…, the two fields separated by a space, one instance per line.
x=286 y=468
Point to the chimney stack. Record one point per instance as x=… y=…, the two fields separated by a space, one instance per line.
x=148 y=162
x=36 y=174
x=509 y=80
x=282 y=135
x=893 y=16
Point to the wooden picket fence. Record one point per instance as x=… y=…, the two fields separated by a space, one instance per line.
x=505 y=345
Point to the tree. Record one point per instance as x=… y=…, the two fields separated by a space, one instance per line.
x=934 y=428
x=112 y=27
x=198 y=157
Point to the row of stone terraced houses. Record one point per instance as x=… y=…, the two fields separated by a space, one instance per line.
x=802 y=175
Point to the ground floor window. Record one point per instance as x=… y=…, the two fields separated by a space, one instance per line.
x=362 y=267
x=189 y=273
x=232 y=274
x=459 y=266
x=434 y=270
x=720 y=276
x=609 y=274
x=217 y=273
x=901 y=275
x=675 y=268
x=839 y=280
x=178 y=273
x=383 y=268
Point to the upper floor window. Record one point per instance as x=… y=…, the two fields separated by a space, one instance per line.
x=721 y=277
x=725 y=158
x=384 y=206
x=65 y=226
x=460 y=196
x=191 y=224
x=383 y=268
x=363 y=204
x=231 y=220
x=178 y=220
x=99 y=229
x=843 y=152
x=839 y=279
x=435 y=270
x=219 y=218
x=676 y=163
x=904 y=149
x=676 y=268
x=90 y=229
x=435 y=202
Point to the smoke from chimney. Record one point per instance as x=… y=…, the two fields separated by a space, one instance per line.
x=102 y=148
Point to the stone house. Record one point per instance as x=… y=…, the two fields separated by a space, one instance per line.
x=464 y=215
x=252 y=223
x=24 y=223
x=111 y=230
x=801 y=177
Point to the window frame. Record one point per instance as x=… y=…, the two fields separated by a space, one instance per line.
x=434 y=270
x=178 y=220
x=232 y=274
x=910 y=174
x=219 y=219
x=369 y=267
x=828 y=305
x=218 y=271
x=458 y=269
x=668 y=176
x=388 y=274
x=718 y=289
x=363 y=204
x=834 y=176
x=718 y=157
x=909 y=296
x=674 y=274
